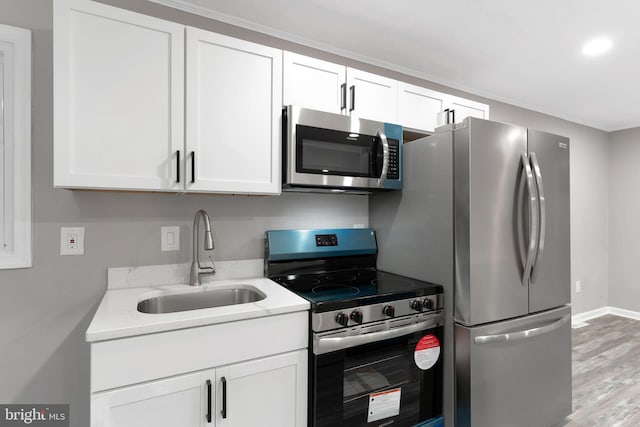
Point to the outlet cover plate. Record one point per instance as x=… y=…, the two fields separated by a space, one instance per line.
x=71 y=240
x=170 y=238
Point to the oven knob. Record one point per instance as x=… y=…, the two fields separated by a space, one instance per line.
x=416 y=305
x=427 y=304
x=342 y=319
x=388 y=310
x=356 y=316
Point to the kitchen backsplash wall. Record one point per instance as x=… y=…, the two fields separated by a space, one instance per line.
x=45 y=310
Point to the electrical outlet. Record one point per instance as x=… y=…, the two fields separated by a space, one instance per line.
x=71 y=240
x=170 y=238
x=578 y=287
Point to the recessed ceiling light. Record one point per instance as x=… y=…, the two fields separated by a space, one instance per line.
x=597 y=46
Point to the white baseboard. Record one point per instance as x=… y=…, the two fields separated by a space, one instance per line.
x=592 y=314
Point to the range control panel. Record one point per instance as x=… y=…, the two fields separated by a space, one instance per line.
x=355 y=316
x=326 y=240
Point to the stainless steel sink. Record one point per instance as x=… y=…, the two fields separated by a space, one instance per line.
x=197 y=300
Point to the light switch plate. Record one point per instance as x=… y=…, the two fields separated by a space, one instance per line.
x=71 y=240
x=170 y=238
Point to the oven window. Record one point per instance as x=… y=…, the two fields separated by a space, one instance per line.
x=329 y=152
x=345 y=379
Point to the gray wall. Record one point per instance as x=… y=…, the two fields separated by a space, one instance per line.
x=45 y=310
x=624 y=227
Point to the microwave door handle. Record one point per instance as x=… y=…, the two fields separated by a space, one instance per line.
x=385 y=158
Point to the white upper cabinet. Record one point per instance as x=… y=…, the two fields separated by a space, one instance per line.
x=118 y=98
x=464 y=108
x=313 y=83
x=325 y=86
x=120 y=112
x=372 y=97
x=419 y=108
x=234 y=106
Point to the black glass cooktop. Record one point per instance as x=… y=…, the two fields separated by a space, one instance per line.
x=352 y=288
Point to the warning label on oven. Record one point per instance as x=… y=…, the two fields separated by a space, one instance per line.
x=427 y=352
x=384 y=404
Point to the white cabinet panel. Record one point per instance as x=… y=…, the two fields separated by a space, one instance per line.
x=118 y=79
x=418 y=107
x=170 y=402
x=270 y=391
x=466 y=108
x=372 y=97
x=313 y=83
x=234 y=101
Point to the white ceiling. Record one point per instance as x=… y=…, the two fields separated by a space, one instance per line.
x=526 y=53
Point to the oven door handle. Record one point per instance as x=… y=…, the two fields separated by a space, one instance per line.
x=322 y=345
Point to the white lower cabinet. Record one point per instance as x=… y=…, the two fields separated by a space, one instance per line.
x=245 y=373
x=170 y=402
x=263 y=392
x=270 y=391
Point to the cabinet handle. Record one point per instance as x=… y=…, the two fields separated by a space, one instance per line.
x=353 y=98
x=224 y=398
x=448 y=115
x=453 y=115
x=343 y=96
x=178 y=167
x=193 y=167
x=208 y=401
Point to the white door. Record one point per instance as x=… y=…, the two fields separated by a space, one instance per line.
x=266 y=392
x=418 y=107
x=118 y=98
x=234 y=106
x=371 y=96
x=313 y=83
x=183 y=401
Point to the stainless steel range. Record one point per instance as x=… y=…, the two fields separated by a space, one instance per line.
x=375 y=336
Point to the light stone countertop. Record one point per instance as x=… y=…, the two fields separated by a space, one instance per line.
x=118 y=317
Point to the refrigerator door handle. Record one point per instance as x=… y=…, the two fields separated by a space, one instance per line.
x=533 y=219
x=521 y=335
x=543 y=214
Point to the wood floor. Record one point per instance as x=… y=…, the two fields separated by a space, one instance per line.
x=606 y=373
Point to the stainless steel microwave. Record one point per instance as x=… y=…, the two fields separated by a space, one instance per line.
x=331 y=152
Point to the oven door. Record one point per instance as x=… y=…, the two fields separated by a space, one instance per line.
x=378 y=383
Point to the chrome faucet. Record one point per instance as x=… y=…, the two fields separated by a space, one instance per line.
x=196 y=269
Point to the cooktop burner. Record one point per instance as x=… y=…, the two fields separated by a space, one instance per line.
x=341 y=289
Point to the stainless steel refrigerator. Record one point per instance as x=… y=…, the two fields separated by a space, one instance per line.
x=485 y=212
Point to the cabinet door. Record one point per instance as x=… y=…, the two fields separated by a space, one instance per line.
x=118 y=106
x=313 y=83
x=418 y=108
x=234 y=105
x=464 y=108
x=266 y=392
x=371 y=96
x=176 y=401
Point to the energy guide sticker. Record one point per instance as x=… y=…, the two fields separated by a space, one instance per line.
x=384 y=404
x=427 y=352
